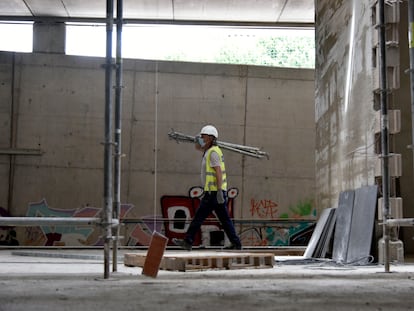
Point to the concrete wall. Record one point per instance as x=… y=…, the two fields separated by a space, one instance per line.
x=345 y=116
x=56 y=103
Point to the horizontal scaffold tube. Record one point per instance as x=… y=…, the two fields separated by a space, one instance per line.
x=44 y=221
x=403 y=222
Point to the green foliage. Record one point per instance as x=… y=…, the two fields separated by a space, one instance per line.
x=294 y=49
x=293 y=52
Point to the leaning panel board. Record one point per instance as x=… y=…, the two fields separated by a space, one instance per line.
x=362 y=228
x=343 y=225
x=314 y=244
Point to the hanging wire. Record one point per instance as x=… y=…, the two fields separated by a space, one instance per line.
x=155 y=146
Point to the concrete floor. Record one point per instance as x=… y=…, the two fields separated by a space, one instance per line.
x=55 y=283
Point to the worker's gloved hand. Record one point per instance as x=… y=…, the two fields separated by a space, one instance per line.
x=220 y=197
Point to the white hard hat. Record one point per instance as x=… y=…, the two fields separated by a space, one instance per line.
x=209 y=130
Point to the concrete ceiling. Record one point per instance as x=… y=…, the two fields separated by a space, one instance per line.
x=239 y=11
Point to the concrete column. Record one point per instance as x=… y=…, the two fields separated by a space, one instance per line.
x=49 y=37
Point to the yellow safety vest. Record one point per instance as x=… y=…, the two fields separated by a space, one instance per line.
x=211 y=180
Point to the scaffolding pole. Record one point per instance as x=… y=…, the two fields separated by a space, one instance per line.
x=384 y=134
x=118 y=132
x=108 y=186
x=48 y=221
x=411 y=50
x=245 y=150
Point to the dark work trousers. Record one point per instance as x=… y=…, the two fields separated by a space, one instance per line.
x=209 y=204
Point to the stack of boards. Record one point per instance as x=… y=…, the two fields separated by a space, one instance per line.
x=351 y=225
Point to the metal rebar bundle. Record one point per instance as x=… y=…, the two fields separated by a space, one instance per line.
x=245 y=150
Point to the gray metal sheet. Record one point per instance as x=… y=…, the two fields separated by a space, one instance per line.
x=310 y=251
x=343 y=225
x=328 y=233
x=362 y=227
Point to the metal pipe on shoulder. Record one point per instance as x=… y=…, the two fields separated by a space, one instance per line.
x=245 y=150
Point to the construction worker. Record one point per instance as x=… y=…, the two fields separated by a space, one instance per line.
x=213 y=176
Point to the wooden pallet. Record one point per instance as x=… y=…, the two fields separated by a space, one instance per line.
x=192 y=261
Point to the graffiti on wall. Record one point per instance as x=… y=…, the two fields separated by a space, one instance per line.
x=279 y=233
x=265 y=209
x=268 y=209
x=268 y=227
x=64 y=235
x=300 y=210
x=286 y=229
x=8 y=235
x=177 y=212
x=142 y=230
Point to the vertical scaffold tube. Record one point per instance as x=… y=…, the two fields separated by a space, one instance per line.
x=118 y=131
x=108 y=143
x=384 y=135
x=411 y=49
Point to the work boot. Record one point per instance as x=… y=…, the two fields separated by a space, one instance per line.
x=233 y=246
x=182 y=243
